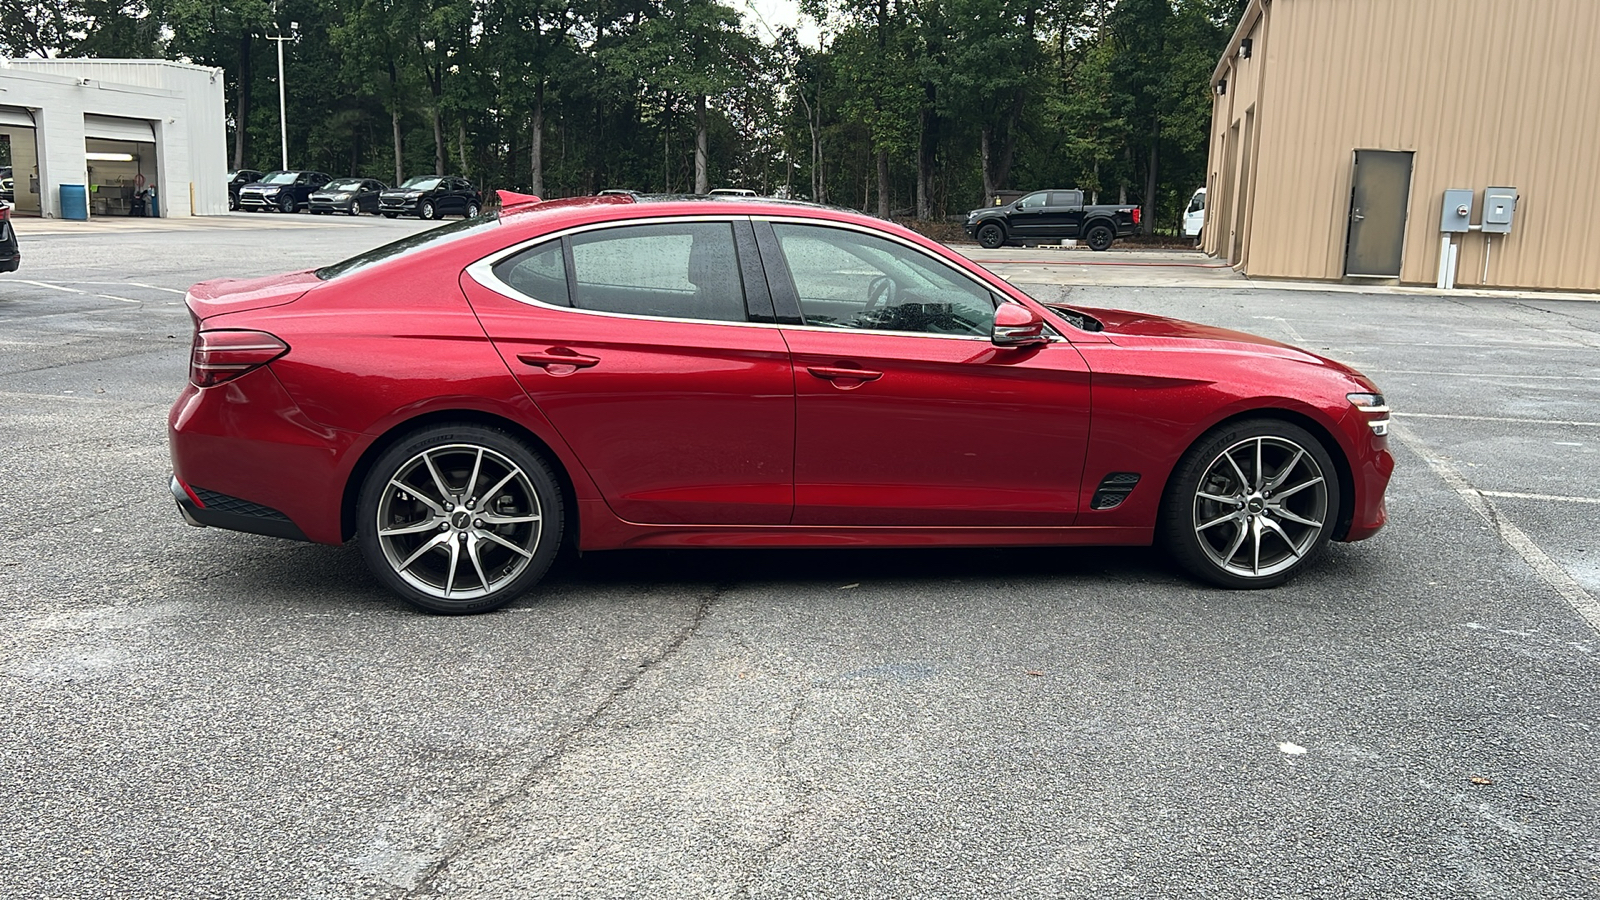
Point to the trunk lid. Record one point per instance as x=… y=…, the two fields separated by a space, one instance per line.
x=229 y=295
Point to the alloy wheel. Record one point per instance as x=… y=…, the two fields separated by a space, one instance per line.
x=459 y=521
x=1260 y=506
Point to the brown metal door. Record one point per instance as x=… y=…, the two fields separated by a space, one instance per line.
x=1379 y=194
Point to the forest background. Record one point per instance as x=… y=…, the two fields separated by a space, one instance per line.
x=905 y=108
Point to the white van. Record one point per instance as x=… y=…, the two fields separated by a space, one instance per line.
x=1195 y=218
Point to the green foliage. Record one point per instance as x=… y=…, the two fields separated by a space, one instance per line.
x=1052 y=93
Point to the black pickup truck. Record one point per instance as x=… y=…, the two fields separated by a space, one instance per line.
x=1052 y=216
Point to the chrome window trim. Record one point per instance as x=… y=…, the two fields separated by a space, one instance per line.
x=482 y=272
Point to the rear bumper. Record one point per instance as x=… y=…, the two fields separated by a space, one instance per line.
x=202 y=508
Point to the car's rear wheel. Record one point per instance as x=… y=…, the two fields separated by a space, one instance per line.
x=459 y=518
x=1250 y=503
x=1099 y=237
x=991 y=236
x=426 y=210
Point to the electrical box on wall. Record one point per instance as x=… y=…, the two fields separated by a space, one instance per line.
x=1457 y=215
x=1499 y=206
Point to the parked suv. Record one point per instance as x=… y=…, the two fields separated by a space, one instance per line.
x=238 y=178
x=347 y=195
x=1044 y=216
x=10 y=253
x=281 y=190
x=431 y=197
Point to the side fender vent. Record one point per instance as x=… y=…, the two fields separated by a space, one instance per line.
x=1114 y=489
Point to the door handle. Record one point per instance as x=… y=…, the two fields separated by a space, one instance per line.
x=831 y=373
x=558 y=356
x=1356 y=215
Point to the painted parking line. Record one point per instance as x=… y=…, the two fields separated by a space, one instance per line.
x=1482 y=375
x=1552 y=498
x=1513 y=421
x=1481 y=502
x=54 y=287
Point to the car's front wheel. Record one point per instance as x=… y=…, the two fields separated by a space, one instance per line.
x=1099 y=237
x=286 y=203
x=1250 y=503
x=991 y=236
x=459 y=518
x=426 y=210
x=472 y=209
x=233 y=203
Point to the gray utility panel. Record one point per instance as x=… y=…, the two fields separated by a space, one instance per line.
x=1499 y=205
x=1457 y=216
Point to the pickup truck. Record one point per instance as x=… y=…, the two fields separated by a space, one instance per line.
x=1051 y=216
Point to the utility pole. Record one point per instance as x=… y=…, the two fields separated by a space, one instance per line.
x=283 y=108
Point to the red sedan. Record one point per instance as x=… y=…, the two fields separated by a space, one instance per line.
x=634 y=372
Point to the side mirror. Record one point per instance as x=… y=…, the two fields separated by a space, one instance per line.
x=1016 y=325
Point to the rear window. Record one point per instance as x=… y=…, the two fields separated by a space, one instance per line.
x=444 y=234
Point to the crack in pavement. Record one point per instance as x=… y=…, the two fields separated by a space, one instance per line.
x=761 y=857
x=428 y=884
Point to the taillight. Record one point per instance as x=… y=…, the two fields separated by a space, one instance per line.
x=5 y=211
x=221 y=356
x=1137 y=213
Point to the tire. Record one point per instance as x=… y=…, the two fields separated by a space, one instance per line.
x=426 y=210
x=391 y=215
x=1099 y=237
x=434 y=547
x=472 y=210
x=1225 y=523
x=286 y=203
x=233 y=203
x=991 y=236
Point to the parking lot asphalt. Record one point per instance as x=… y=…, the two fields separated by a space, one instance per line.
x=196 y=713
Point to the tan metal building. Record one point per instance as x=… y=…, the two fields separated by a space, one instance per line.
x=1339 y=124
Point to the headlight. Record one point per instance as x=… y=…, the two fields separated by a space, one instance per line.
x=412 y=195
x=1374 y=409
x=270 y=190
x=342 y=196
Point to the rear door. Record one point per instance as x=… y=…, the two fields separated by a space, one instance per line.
x=663 y=373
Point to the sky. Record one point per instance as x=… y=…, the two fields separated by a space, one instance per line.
x=777 y=13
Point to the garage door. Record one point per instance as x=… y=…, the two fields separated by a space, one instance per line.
x=15 y=116
x=116 y=128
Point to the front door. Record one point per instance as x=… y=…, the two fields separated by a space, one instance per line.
x=906 y=414
x=1380 y=194
x=640 y=354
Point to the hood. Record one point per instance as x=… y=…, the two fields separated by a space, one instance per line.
x=1132 y=328
x=229 y=295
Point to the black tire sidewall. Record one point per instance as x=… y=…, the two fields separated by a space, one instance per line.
x=1100 y=231
x=996 y=231
x=426 y=210
x=1175 y=528
x=539 y=474
x=287 y=204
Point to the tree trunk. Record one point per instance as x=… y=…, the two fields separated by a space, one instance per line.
x=461 y=146
x=394 y=120
x=1148 y=225
x=927 y=155
x=883 y=183
x=985 y=139
x=536 y=139
x=399 y=173
x=438 y=140
x=242 y=117
x=701 y=185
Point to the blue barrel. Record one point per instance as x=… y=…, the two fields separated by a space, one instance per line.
x=75 y=202
x=155 y=208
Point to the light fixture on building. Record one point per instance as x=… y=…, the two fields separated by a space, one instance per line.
x=1245 y=47
x=108 y=157
x=1222 y=87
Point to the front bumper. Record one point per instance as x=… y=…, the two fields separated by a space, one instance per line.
x=407 y=206
x=253 y=200
x=325 y=204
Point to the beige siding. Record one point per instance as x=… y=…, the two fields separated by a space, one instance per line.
x=1483 y=92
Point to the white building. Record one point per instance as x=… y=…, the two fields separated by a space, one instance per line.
x=117 y=127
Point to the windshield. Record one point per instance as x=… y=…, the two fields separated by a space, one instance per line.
x=279 y=178
x=342 y=184
x=420 y=183
x=442 y=234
